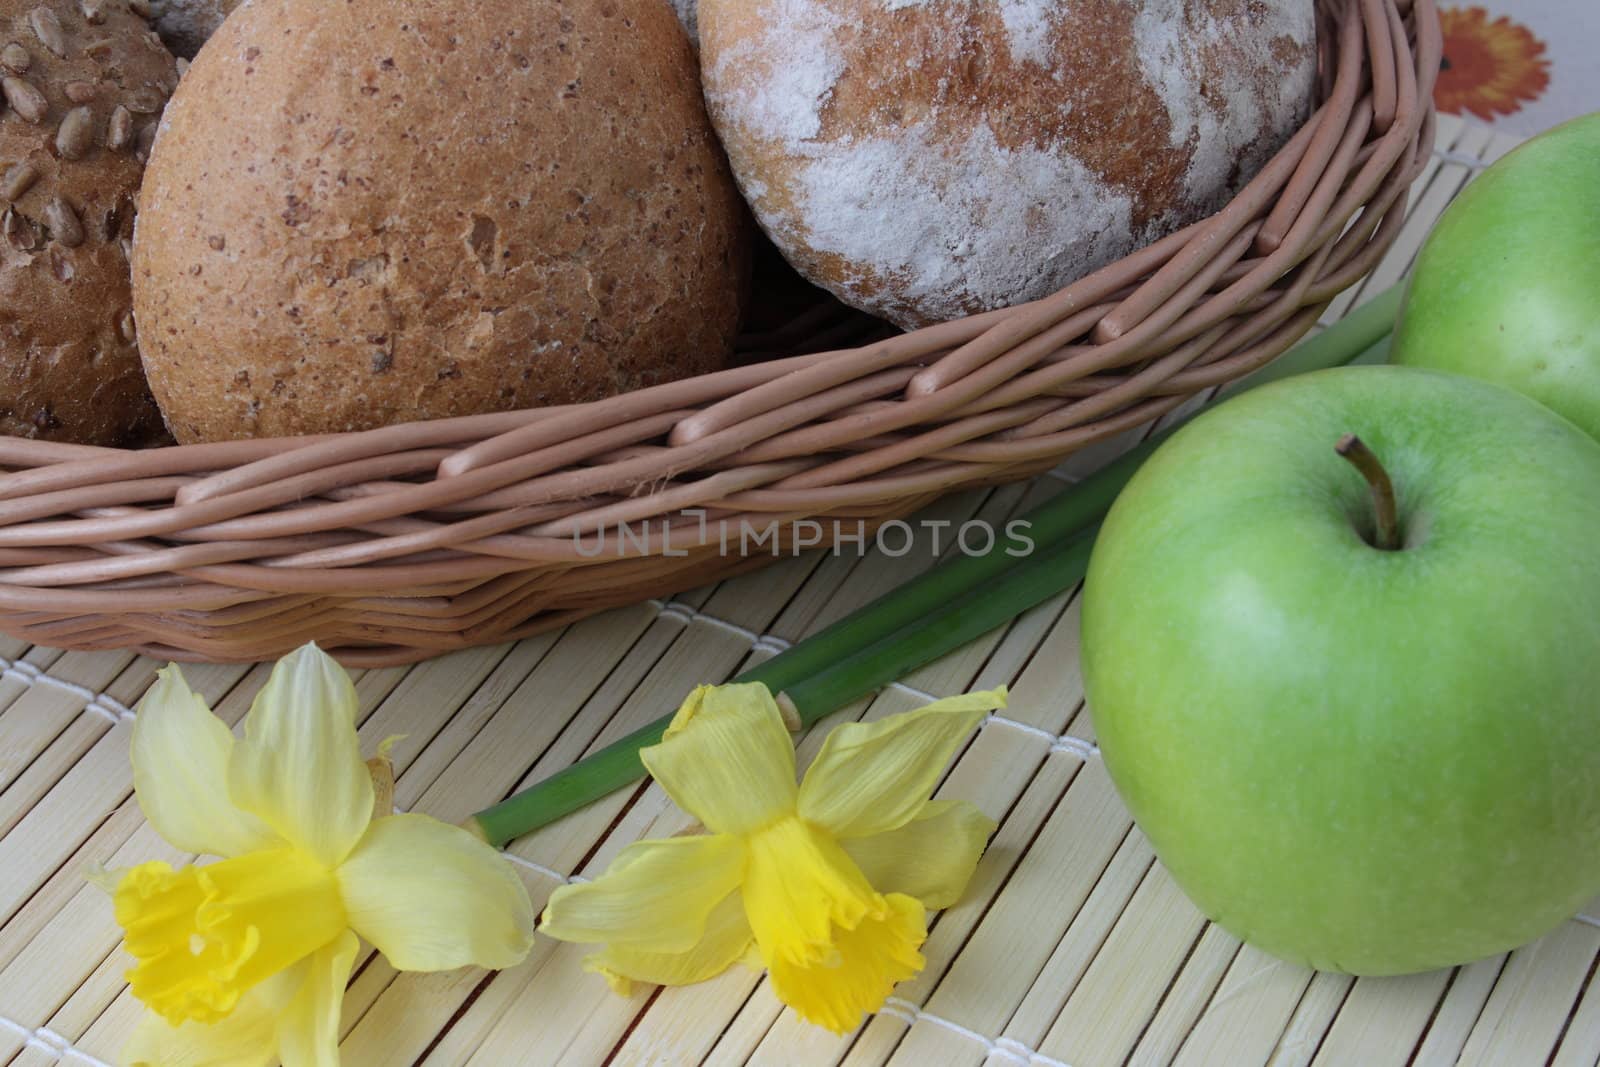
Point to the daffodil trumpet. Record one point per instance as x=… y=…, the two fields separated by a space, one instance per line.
x=827 y=883
x=934 y=613
x=243 y=962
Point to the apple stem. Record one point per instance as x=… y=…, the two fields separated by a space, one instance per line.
x=1362 y=458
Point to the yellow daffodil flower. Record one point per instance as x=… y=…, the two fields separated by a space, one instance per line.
x=831 y=881
x=244 y=962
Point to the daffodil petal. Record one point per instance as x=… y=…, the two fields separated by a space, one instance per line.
x=299 y=767
x=873 y=777
x=308 y=1029
x=867 y=963
x=932 y=857
x=656 y=897
x=727 y=936
x=800 y=888
x=727 y=758
x=245 y=1037
x=432 y=897
x=180 y=773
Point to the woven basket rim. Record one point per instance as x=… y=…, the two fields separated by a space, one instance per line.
x=400 y=542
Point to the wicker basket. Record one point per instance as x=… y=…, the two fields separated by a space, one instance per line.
x=400 y=543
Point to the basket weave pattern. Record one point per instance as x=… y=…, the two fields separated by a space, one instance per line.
x=399 y=543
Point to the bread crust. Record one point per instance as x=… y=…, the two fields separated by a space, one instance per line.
x=361 y=214
x=82 y=82
x=688 y=14
x=930 y=159
x=186 y=25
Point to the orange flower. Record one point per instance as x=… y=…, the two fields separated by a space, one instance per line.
x=1490 y=67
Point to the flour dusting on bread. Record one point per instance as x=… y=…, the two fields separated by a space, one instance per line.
x=1218 y=109
x=1006 y=219
x=799 y=69
x=927 y=159
x=1028 y=25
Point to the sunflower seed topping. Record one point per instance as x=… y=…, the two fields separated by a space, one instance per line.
x=48 y=29
x=119 y=132
x=76 y=136
x=80 y=92
x=18 y=180
x=20 y=231
x=15 y=58
x=25 y=99
x=63 y=223
x=146 y=100
x=146 y=142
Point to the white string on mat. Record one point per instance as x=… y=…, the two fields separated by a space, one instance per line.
x=45 y=1040
x=1006 y=1048
x=539 y=868
x=1461 y=159
x=101 y=704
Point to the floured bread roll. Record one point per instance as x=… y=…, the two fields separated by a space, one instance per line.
x=185 y=25
x=929 y=159
x=688 y=15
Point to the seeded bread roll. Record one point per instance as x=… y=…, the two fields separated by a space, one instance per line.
x=929 y=159
x=83 y=86
x=361 y=214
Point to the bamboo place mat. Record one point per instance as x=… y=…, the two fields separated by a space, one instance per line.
x=1072 y=945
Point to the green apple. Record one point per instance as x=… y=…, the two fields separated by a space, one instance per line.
x=1507 y=288
x=1360 y=758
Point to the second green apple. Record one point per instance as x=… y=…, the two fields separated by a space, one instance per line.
x=1507 y=288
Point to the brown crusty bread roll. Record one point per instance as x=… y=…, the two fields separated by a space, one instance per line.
x=929 y=159
x=84 y=83
x=361 y=214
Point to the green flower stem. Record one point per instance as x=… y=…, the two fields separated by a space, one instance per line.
x=966 y=617
x=933 y=614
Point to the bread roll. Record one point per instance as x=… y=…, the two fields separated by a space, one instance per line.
x=83 y=84
x=929 y=159
x=186 y=25
x=687 y=14
x=361 y=214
